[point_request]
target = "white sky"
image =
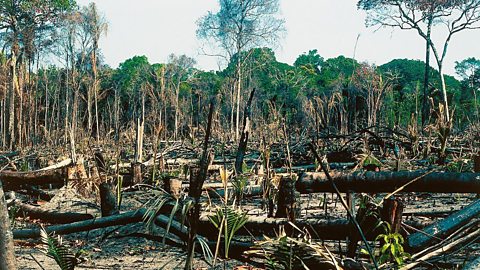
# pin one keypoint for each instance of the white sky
(157, 28)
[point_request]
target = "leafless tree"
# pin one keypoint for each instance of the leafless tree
(421, 15)
(238, 26)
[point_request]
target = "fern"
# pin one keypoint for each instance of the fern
(54, 248)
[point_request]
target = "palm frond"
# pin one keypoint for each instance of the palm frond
(284, 252)
(233, 220)
(54, 248)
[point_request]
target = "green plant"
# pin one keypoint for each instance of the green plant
(54, 248)
(12, 213)
(119, 190)
(391, 246)
(154, 208)
(239, 183)
(230, 220)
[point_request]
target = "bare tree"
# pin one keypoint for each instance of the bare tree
(180, 69)
(94, 26)
(238, 26)
(421, 15)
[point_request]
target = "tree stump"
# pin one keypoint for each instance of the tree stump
(287, 200)
(137, 176)
(108, 200)
(100, 162)
(172, 186)
(476, 162)
(392, 213)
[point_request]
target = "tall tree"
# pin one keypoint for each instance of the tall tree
(421, 15)
(180, 70)
(94, 25)
(238, 26)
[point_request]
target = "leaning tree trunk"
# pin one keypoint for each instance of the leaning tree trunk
(7, 251)
(444, 94)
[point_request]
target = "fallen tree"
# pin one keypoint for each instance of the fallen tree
(49, 216)
(55, 174)
(438, 230)
(441, 182)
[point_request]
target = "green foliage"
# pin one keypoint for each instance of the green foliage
(233, 220)
(154, 207)
(391, 247)
(240, 182)
(54, 248)
(311, 62)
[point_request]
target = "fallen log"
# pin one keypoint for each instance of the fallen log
(55, 174)
(49, 216)
(475, 264)
(441, 182)
(86, 225)
(327, 229)
(444, 227)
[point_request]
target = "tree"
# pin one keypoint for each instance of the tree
(94, 26)
(238, 26)
(311, 61)
(179, 70)
(469, 71)
(421, 16)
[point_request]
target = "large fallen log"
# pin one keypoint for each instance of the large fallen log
(49, 216)
(475, 264)
(444, 227)
(87, 225)
(441, 182)
(55, 174)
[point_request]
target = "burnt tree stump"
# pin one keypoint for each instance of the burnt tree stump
(108, 200)
(288, 205)
(392, 212)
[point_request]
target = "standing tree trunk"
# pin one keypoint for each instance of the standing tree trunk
(425, 108)
(239, 90)
(444, 93)
(7, 251)
(13, 89)
(197, 178)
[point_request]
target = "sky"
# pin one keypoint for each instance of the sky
(157, 28)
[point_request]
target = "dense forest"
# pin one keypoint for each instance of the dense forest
(252, 122)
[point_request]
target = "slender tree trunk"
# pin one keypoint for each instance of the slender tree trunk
(444, 92)
(94, 68)
(425, 108)
(13, 87)
(239, 90)
(175, 134)
(89, 111)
